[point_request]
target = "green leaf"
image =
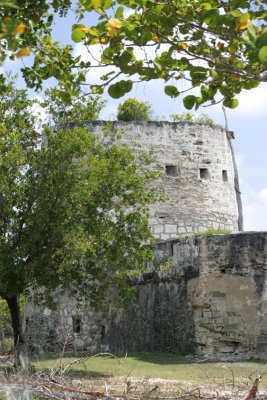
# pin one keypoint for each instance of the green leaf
(198, 73)
(157, 65)
(95, 89)
(251, 84)
(171, 91)
(8, 3)
(77, 35)
(244, 17)
(251, 33)
(189, 102)
(262, 40)
(263, 55)
(211, 16)
(119, 12)
(119, 89)
(230, 103)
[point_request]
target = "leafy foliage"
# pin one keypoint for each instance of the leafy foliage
(197, 118)
(74, 208)
(134, 110)
(82, 110)
(25, 29)
(208, 232)
(220, 48)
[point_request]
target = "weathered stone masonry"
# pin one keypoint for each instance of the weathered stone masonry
(211, 301)
(198, 177)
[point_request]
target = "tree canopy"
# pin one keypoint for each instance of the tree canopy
(134, 110)
(74, 209)
(218, 47)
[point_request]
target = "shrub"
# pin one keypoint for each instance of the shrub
(134, 110)
(210, 231)
(197, 118)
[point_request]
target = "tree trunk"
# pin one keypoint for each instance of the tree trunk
(21, 356)
(2, 338)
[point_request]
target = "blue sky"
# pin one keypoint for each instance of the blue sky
(248, 121)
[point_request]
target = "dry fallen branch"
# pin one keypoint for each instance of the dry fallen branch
(254, 389)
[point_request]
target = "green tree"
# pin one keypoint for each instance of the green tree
(134, 110)
(73, 211)
(83, 109)
(218, 47)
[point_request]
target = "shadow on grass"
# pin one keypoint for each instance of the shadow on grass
(176, 358)
(8, 370)
(164, 358)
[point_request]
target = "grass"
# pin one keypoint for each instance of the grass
(158, 365)
(163, 374)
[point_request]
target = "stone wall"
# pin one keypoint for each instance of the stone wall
(198, 177)
(211, 299)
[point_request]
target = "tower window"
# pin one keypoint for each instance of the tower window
(172, 170)
(77, 324)
(224, 175)
(204, 173)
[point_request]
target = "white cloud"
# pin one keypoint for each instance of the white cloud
(255, 212)
(252, 103)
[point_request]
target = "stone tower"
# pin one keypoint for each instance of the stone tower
(198, 180)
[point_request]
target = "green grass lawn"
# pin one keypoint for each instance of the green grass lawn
(148, 375)
(159, 365)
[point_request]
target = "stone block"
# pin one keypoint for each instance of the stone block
(170, 228)
(217, 293)
(262, 339)
(216, 313)
(153, 221)
(233, 320)
(79, 343)
(207, 313)
(226, 349)
(261, 348)
(157, 229)
(47, 312)
(164, 236)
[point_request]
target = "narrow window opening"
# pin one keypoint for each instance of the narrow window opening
(103, 332)
(204, 173)
(172, 170)
(224, 175)
(27, 321)
(77, 324)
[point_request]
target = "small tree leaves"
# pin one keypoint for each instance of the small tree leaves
(171, 91)
(263, 55)
(119, 89)
(78, 35)
(230, 103)
(262, 40)
(209, 43)
(134, 110)
(189, 102)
